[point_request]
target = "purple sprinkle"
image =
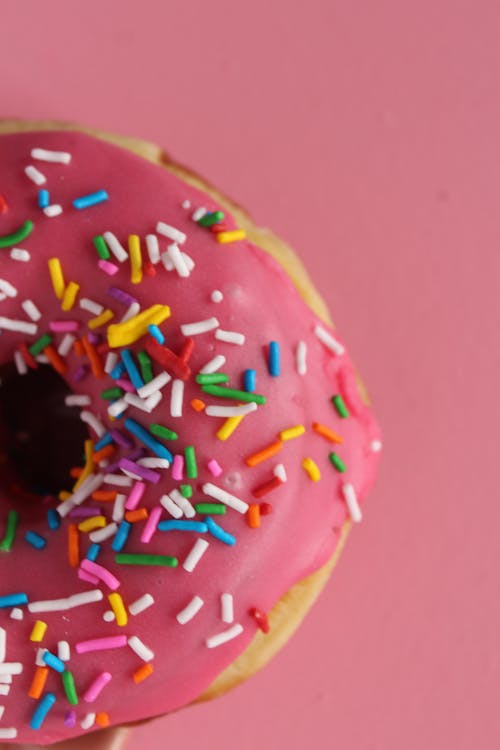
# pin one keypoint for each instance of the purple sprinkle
(121, 439)
(80, 373)
(121, 296)
(142, 471)
(70, 719)
(94, 338)
(134, 456)
(84, 512)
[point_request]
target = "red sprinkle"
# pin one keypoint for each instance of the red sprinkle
(167, 359)
(30, 361)
(3, 205)
(260, 618)
(149, 269)
(266, 487)
(186, 350)
(265, 509)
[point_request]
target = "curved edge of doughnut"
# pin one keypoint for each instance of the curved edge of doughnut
(287, 614)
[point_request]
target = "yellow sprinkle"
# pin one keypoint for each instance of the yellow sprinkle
(118, 608)
(292, 432)
(95, 522)
(236, 234)
(69, 296)
(134, 249)
(229, 426)
(64, 495)
(89, 464)
(122, 334)
(57, 277)
(100, 320)
(38, 631)
(312, 469)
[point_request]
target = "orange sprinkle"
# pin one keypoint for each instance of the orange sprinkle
(75, 472)
(136, 515)
(102, 719)
(198, 404)
(327, 433)
(64, 495)
(105, 452)
(142, 673)
(95, 361)
(55, 359)
(104, 496)
(78, 348)
(73, 545)
(253, 515)
(268, 452)
(38, 682)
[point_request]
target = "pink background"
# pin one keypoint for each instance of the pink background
(368, 135)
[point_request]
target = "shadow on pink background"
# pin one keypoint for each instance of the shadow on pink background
(367, 134)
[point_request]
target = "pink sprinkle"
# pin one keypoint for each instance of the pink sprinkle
(101, 644)
(70, 719)
(178, 468)
(126, 385)
(214, 468)
(135, 496)
(64, 325)
(151, 524)
(108, 267)
(96, 687)
(88, 577)
(102, 573)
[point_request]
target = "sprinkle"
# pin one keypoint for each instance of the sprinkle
(88, 721)
(197, 526)
(69, 687)
(31, 310)
(38, 631)
(40, 345)
(145, 366)
(163, 432)
(38, 682)
(17, 253)
(66, 345)
(100, 535)
(129, 331)
(59, 157)
(174, 258)
(103, 574)
(229, 426)
(233, 393)
(216, 296)
(171, 507)
(340, 406)
(375, 445)
(253, 515)
(210, 218)
(21, 366)
(54, 210)
(198, 213)
(155, 384)
(69, 296)
(92, 199)
(101, 644)
(227, 610)
(63, 650)
(7, 289)
(7, 324)
(131, 313)
(139, 472)
(230, 337)
(119, 508)
(102, 719)
(101, 247)
(311, 469)
(249, 380)
(73, 545)
(327, 433)
(36, 540)
(8, 733)
(134, 249)
(274, 359)
(151, 525)
(9, 536)
(264, 489)
(191, 467)
(337, 462)
(176, 398)
(225, 636)
(192, 609)
(57, 277)
(210, 509)
(115, 246)
(110, 268)
(93, 357)
(93, 422)
(171, 232)
(142, 673)
(136, 493)
(58, 605)
(168, 561)
(197, 404)
(178, 468)
(8, 240)
(328, 340)
(224, 497)
(260, 618)
(42, 710)
(3, 205)
(95, 522)
(351, 500)
(197, 551)
(291, 432)
(141, 604)
(262, 455)
(233, 236)
(12, 668)
(101, 319)
(219, 533)
(214, 468)
(35, 175)
(121, 536)
(16, 614)
(138, 647)
(43, 198)
(96, 687)
(202, 326)
(186, 490)
(182, 502)
(52, 661)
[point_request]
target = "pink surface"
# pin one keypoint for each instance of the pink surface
(369, 139)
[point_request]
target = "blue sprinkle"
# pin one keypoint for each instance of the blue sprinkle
(43, 198)
(103, 442)
(143, 435)
(249, 380)
(274, 359)
(156, 334)
(52, 661)
(93, 552)
(85, 201)
(36, 541)
(53, 519)
(198, 526)
(118, 371)
(131, 368)
(218, 532)
(42, 710)
(13, 600)
(121, 536)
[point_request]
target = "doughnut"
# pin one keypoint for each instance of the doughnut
(185, 442)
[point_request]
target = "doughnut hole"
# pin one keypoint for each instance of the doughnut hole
(41, 439)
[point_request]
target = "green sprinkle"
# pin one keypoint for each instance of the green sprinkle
(186, 490)
(210, 218)
(10, 531)
(339, 404)
(190, 456)
(217, 390)
(213, 509)
(163, 432)
(212, 378)
(101, 247)
(39, 346)
(111, 393)
(128, 558)
(146, 367)
(13, 239)
(337, 462)
(69, 687)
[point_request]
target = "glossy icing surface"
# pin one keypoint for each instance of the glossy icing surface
(259, 301)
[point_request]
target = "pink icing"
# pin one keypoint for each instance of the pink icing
(300, 534)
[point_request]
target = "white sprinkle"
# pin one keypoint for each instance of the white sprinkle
(115, 246)
(52, 211)
(117, 479)
(75, 600)
(35, 175)
(60, 157)
(31, 310)
(12, 667)
(4, 689)
(119, 507)
(2, 709)
(225, 636)
(93, 422)
(352, 502)
(108, 616)
(198, 213)
(190, 264)
(202, 326)
(154, 385)
(230, 411)
(21, 366)
(100, 535)
(327, 339)
(88, 486)
(183, 503)
(92, 307)
(376, 446)
(16, 613)
(117, 408)
(77, 400)
(227, 609)
(147, 405)
(66, 344)
(179, 264)
(87, 721)
(301, 358)
(20, 326)
(171, 507)
(111, 361)
(153, 248)
(3, 642)
(230, 337)
(132, 311)
(17, 253)
(7, 288)
(280, 472)
(197, 551)
(8, 733)
(186, 204)
(216, 296)
(142, 651)
(176, 398)
(6, 679)
(171, 232)
(153, 462)
(190, 611)
(42, 359)
(144, 601)
(167, 263)
(63, 651)
(225, 497)
(215, 364)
